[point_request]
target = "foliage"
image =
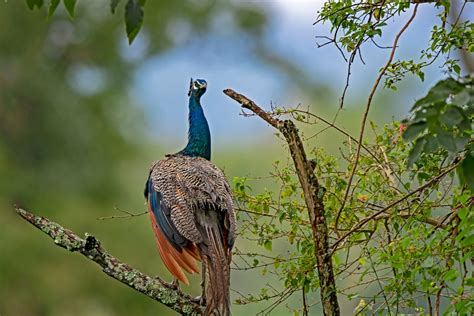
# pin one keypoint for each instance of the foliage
(451, 127)
(355, 23)
(400, 223)
(416, 246)
(443, 119)
(133, 12)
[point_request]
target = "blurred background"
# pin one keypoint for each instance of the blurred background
(83, 115)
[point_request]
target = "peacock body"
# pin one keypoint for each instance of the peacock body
(191, 210)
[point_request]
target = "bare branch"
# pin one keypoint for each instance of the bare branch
(250, 105)
(313, 195)
(127, 215)
(428, 220)
(90, 247)
(305, 304)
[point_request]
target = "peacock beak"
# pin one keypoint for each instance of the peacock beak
(198, 84)
(201, 84)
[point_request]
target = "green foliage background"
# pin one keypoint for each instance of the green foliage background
(73, 157)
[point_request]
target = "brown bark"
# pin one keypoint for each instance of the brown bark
(313, 199)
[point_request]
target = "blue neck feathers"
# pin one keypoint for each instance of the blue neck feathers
(199, 137)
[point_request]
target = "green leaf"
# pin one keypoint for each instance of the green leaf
(465, 97)
(428, 263)
(451, 275)
(447, 141)
(427, 113)
(133, 18)
(457, 69)
(421, 75)
(465, 125)
(439, 92)
(466, 171)
(431, 144)
(34, 3)
(416, 151)
(470, 281)
(452, 116)
(113, 5)
(467, 241)
(413, 130)
(53, 4)
(460, 143)
(70, 5)
(268, 245)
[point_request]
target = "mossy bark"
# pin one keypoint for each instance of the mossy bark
(90, 247)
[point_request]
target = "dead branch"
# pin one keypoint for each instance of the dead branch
(313, 200)
(90, 247)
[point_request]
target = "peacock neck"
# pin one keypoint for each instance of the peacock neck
(199, 137)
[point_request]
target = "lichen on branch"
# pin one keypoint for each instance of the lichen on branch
(90, 247)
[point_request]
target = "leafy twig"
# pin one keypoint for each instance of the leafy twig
(393, 204)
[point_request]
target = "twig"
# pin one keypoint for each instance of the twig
(253, 212)
(128, 214)
(348, 75)
(438, 300)
(340, 130)
(427, 220)
(382, 290)
(366, 114)
(90, 247)
(430, 306)
(305, 304)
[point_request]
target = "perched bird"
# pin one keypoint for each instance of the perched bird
(191, 210)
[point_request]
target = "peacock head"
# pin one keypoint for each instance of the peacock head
(197, 87)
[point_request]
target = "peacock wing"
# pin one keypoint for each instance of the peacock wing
(204, 186)
(167, 178)
(162, 216)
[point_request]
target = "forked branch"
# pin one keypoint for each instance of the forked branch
(154, 288)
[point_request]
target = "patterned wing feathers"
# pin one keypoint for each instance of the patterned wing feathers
(188, 186)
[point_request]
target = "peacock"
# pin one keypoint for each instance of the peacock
(192, 212)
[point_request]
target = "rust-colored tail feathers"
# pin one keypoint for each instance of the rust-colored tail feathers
(174, 260)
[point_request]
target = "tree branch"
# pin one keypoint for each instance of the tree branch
(90, 247)
(313, 194)
(428, 220)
